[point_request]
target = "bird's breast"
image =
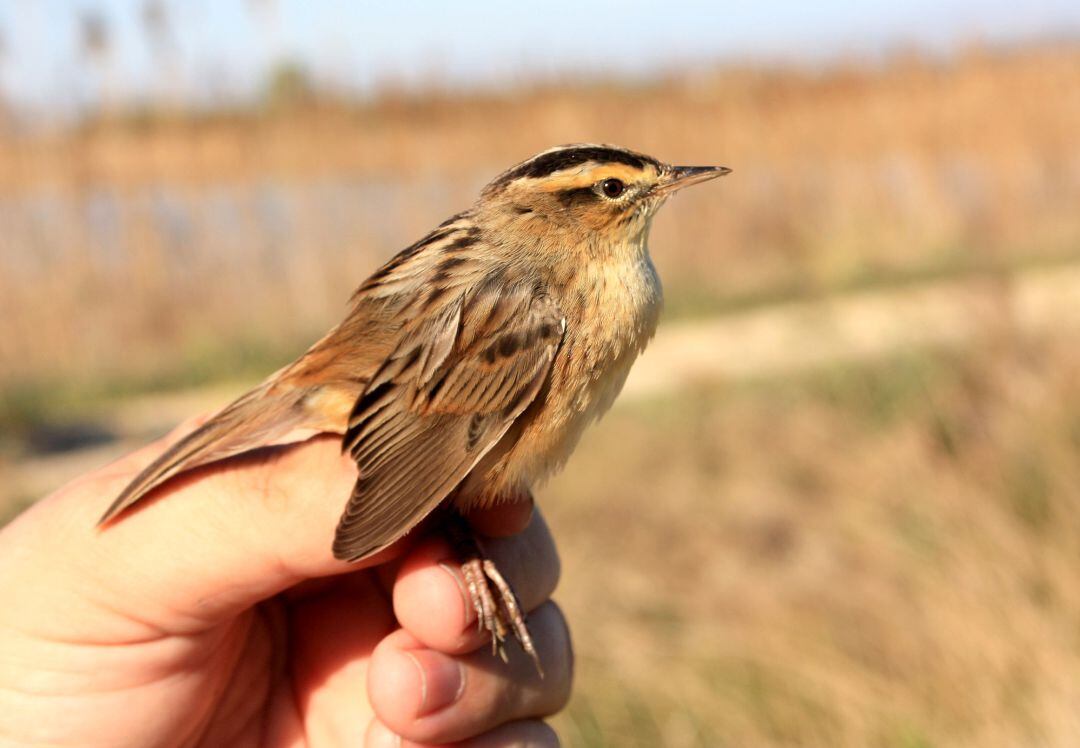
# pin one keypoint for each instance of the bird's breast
(611, 314)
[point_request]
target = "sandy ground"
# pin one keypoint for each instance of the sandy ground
(788, 338)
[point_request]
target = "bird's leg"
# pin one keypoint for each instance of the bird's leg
(497, 607)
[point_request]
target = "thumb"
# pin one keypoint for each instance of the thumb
(205, 546)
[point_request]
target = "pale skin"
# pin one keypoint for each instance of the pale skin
(220, 617)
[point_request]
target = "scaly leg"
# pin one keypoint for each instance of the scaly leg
(497, 607)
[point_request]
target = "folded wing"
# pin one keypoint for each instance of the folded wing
(441, 400)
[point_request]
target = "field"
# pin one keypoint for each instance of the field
(878, 555)
(877, 545)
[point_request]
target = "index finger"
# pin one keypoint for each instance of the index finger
(429, 594)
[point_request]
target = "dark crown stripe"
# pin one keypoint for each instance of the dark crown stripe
(547, 164)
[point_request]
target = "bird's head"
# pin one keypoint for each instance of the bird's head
(602, 190)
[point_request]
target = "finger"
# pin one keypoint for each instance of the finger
(506, 519)
(332, 636)
(430, 598)
(427, 696)
(209, 544)
(526, 733)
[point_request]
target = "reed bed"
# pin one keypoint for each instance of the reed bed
(133, 240)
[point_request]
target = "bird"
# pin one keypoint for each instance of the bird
(468, 365)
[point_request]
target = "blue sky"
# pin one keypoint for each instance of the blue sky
(219, 48)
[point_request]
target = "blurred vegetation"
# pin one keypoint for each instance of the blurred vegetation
(133, 235)
(289, 86)
(871, 554)
(34, 406)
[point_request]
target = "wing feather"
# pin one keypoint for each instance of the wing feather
(439, 403)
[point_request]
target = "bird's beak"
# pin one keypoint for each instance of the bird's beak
(683, 176)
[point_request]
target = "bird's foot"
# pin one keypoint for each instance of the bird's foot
(498, 610)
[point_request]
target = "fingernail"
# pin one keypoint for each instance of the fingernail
(442, 679)
(466, 605)
(379, 736)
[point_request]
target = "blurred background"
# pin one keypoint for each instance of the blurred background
(838, 500)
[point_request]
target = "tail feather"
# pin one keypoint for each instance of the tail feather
(258, 419)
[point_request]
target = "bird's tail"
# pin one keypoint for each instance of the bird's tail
(258, 419)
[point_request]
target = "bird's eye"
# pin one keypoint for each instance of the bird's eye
(612, 188)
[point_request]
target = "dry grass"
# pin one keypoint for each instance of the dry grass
(882, 556)
(143, 238)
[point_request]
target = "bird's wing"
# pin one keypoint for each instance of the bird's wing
(262, 417)
(312, 395)
(440, 401)
(315, 393)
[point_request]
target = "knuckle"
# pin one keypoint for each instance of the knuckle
(544, 735)
(527, 732)
(563, 660)
(532, 696)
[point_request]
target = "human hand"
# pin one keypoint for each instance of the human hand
(219, 617)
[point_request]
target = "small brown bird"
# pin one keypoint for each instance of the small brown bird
(469, 364)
